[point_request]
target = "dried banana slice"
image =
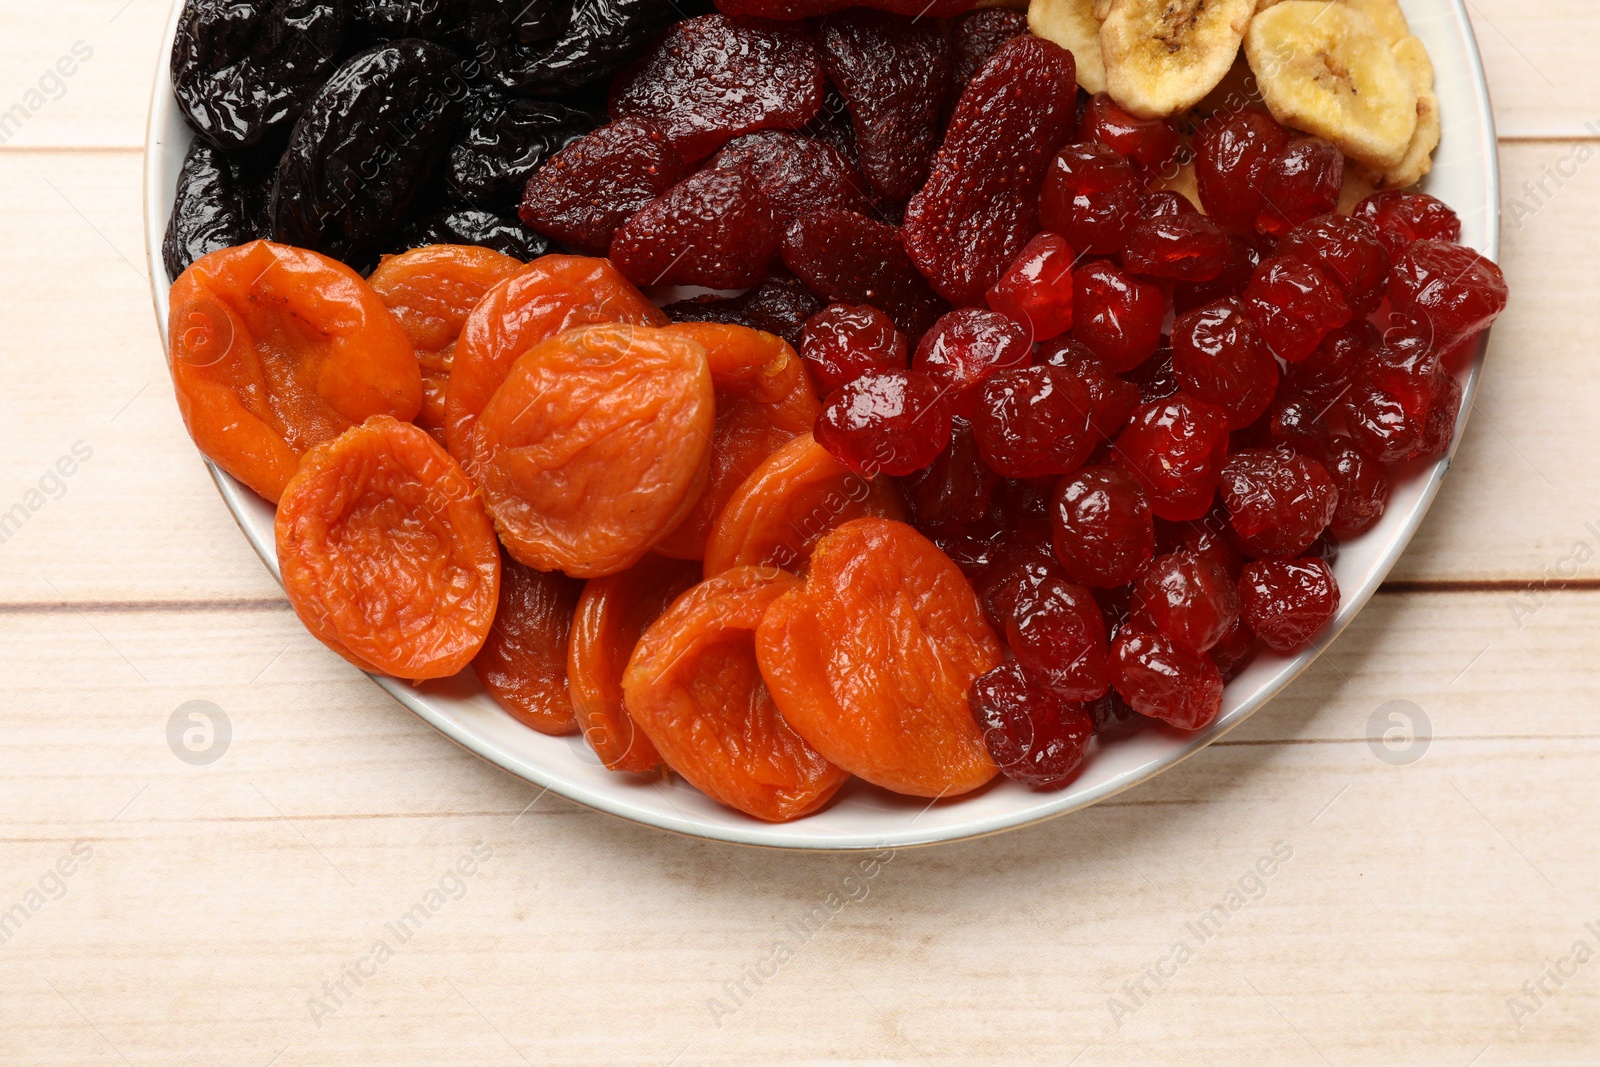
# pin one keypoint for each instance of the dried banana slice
(1326, 69)
(1412, 56)
(1418, 160)
(1073, 25)
(1164, 56)
(1386, 15)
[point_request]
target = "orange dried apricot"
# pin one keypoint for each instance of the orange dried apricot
(596, 447)
(870, 660)
(523, 664)
(694, 686)
(764, 399)
(386, 552)
(612, 613)
(548, 296)
(431, 291)
(277, 349)
(798, 494)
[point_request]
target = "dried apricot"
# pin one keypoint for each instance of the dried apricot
(386, 553)
(764, 400)
(694, 686)
(277, 349)
(870, 661)
(431, 291)
(612, 614)
(523, 664)
(596, 447)
(548, 296)
(777, 514)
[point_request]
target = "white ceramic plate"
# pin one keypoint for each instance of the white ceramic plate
(1466, 176)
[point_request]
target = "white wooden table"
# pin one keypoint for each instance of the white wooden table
(1424, 912)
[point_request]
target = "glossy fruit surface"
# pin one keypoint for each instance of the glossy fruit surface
(1175, 448)
(1036, 737)
(885, 422)
(523, 661)
(1287, 602)
(1101, 528)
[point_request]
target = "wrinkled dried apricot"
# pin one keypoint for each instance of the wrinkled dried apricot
(764, 400)
(548, 296)
(523, 664)
(277, 349)
(386, 553)
(694, 686)
(612, 614)
(778, 514)
(870, 661)
(430, 291)
(596, 447)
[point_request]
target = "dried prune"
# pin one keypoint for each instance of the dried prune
(277, 349)
(523, 663)
(979, 205)
(244, 68)
(220, 202)
(390, 20)
(779, 305)
(977, 35)
(850, 259)
(386, 553)
(504, 141)
(551, 47)
(454, 223)
(796, 174)
(798, 494)
(596, 447)
(870, 661)
(893, 73)
(712, 78)
(714, 228)
(612, 614)
(694, 686)
(586, 191)
(367, 149)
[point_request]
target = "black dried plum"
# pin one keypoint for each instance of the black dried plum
(779, 305)
(465, 224)
(506, 139)
(368, 149)
(392, 20)
(551, 47)
(242, 68)
(221, 202)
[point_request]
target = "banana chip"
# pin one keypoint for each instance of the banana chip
(1386, 15)
(1163, 56)
(1073, 25)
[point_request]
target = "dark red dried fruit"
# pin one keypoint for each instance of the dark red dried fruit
(1391, 393)
(1363, 485)
(1298, 422)
(1165, 202)
(1348, 252)
(1234, 152)
(1237, 648)
(977, 209)
(1148, 142)
(957, 487)
(1208, 536)
(844, 341)
(965, 348)
(1160, 678)
(1287, 602)
(1324, 376)
(1100, 527)
(1190, 598)
(1036, 290)
(1216, 357)
(1037, 737)
(1116, 315)
(1243, 258)
(1155, 377)
(1278, 500)
(779, 305)
(1302, 183)
(1175, 447)
(715, 77)
(1294, 306)
(977, 35)
(1459, 292)
(893, 73)
(1090, 196)
(1032, 422)
(1111, 400)
(713, 229)
(1188, 248)
(1443, 414)
(586, 191)
(1057, 633)
(1401, 218)
(796, 174)
(805, 9)
(848, 258)
(885, 422)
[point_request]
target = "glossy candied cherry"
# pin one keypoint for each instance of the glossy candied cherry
(1148, 142)
(1391, 394)
(1113, 717)
(1243, 258)
(1111, 400)
(1166, 680)
(1302, 183)
(1209, 536)
(1036, 736)
(1460, 292)
(844, 341)
(1299, 423)
(1101, 527)
(1233, 154)
(1190, 598)
(1155, 377)
(1363, 485)
(1165, 202)
(965, 348)
(957, 487)
(1036, 290)
(1287, 602)
(1324, 376)
(1237, 648)
(1278, 501)
(1443, 413)
(1032, 422)
(1401, 218)
(1090, 196)
(1348, 252)
(1187, 248)
(1294, 306)
(1057, 633)
(887, 421)
(1175, 447)
(1117, 315)
(1217, 357)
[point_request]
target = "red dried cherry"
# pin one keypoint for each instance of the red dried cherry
(1324, 376)
(1111, 400)
(1190, 598)
(885, 422)
(1236, 649)
(1278, 500)
(1155, 377)
(1234, 153)
(1175, 447)
(1165, 680)
(957, 487)
(1033, 421)
(1287, 602)
(1401, 218)
(1216, 357)
(1036, 290)
(1057, 633)
(1348, 252)
(1037, 737)
(1302, 183)
(1148, 142)
(1363, 485)
(1443, 413)
(966, 347)
(1116, 315)
(1165, 202)
(1294, 306)
(1100, 527)
(1458, 291)
(844, 341)
(1090, 196)
(1189, 248)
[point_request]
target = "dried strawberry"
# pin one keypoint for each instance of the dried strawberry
(781, 304)
(715, 77)
(797, 174)
(977, 35)
(979, 205)
(850, 259)
(713, 229)
(586, 191)
(893, 73)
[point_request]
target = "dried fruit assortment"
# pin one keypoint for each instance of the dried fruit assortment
(1027, 376)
